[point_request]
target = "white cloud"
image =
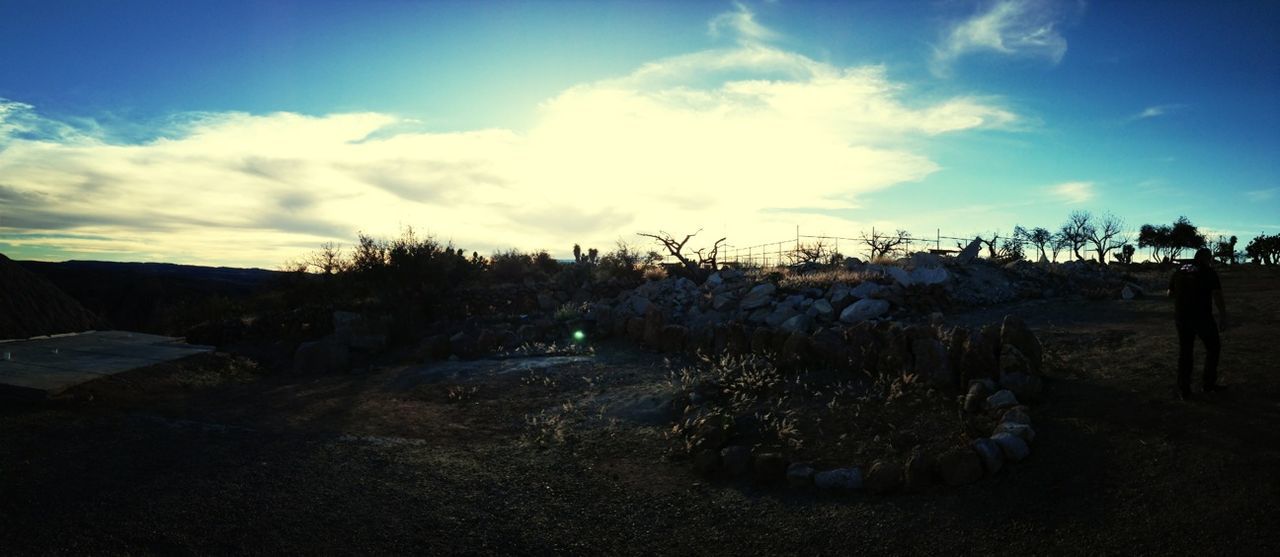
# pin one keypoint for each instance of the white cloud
(742, 23)
(1261, 195)
(719, 139)
(1156, 110)
(1021, 28)
(1072, 192)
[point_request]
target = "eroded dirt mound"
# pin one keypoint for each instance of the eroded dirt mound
(32, 306)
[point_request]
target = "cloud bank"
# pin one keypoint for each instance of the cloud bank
(717, 139)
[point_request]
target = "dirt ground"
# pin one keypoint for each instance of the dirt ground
(210, 455)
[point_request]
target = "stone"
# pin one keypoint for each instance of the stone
(918, 473)
(840, 478)
(1023, 431)
(1012, 360)
(823, 310)
(714, 280)
(722, 301)
(761, 341)
(1001, 399)
(930, 275)
(706, 462)
(1127, 293)
(900, 276)
(867, 289)
(324, 356)
(884, 476)
(759, 296)
(1013, 446)
(635, 328)
(969, 252)
(980, 359)
(841, 296)
(1024, 387)
(769, 467)
(639, 305)
(1016, 415)
(863, 310)
(780, 315)
(799, 474)
(654, 321)
(735, 460)
(990, 453)
(960, 466)
(827, 347)
(795, 350)
(737, 342)
(1015, 332)
(797, 324)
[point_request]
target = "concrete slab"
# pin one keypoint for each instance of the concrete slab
(50, 365)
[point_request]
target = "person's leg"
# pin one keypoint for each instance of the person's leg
(1186, 348)
(1208, 331)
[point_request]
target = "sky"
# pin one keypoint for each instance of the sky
(249, 133)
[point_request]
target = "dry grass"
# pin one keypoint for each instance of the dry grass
(822, 279)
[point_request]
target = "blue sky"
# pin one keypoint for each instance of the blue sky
(248, 133)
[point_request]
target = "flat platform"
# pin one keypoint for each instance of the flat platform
(50, 365)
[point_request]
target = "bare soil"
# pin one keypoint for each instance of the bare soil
(211, 455)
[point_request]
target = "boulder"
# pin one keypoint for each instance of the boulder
(1001, 399)
(736, 340)
(780, 315)
(925, 260)
(827, 347)
(797, 324)
(930, 275)
(990, 453)
(324, 356)
(841, 296)
(795, 350)
(735, 460)
(867, 289)
(654, 321)
(758, 297)
(823, 310)
(1012, 360)
(1023, 431)
(722, 301)
(980, 359)
(1015, 332)
(969, 252)
(840, 478)
(863, 310)
(635, 328)
(884, 476)
(769, 467)
(762, 341)
(959, 466)
(1024, 386)
(900, 276)
(714, 280)
(1016, 415)
(673, 338)
(1013, 446)
(799, 475)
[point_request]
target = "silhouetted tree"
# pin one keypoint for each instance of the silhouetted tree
(675, 248)
(1057, 243)
(1105, 235)
(1225, 250)
(1126, 253)
(881, 245)
(1264, 249)
(1077, 230)
(1038, 237)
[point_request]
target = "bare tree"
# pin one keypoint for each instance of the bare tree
(1077, 230)
(1057, 243)
(676, 249)
(814, 252)
(991, 244)
(881, 245)
(1104, 235)
(1038, 237)
(328, 260)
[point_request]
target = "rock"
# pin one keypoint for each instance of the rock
(1013, 446)
(841, 296)
(797, 324)
(635, 328)
(900, 276)
(1016, 415)
(1023, 431)
(969, 252)
(931, 362)
(1127, 293)
(930, 275)
(737, 342)
(1001, 399)
(769, 467)
(884, 476)
(863, 310)
(654, 321)
(722, 301)
(673, 338)
(840, 478)
(638, 305)
(867, 289)
(780, 315)
(761, 340)
(759, 296)
(799, 475)
(706, 462)
(990, 453)
(960, 466)
(823, 310)
(980, 359)
(735, 460)
(324, 356)
(714, 280)
(918, 474)
(1016, 333)
(1012, 360)
(795, 350)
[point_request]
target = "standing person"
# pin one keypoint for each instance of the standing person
(1192, 286)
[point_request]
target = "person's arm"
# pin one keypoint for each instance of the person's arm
(1222, 308)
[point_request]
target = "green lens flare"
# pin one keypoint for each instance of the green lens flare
(579, 335)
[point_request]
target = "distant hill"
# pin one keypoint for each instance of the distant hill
(146, 296)
(31, 305)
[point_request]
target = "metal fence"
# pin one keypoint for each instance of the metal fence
(805, 247)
